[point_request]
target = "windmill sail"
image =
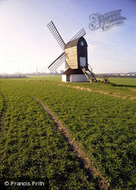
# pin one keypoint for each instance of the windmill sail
(79, 34)
(61, 59)
(56, 34)
(53, 66)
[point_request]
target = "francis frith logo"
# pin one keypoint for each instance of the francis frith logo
(106, 21)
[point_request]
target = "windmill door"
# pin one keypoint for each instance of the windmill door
(82, 61)
(68, 78)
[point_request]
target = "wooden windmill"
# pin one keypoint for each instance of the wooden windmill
(74, 55)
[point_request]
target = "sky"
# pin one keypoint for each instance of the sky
(27, 45)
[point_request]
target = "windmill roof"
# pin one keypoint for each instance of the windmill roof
(72, 71)
(72, 43)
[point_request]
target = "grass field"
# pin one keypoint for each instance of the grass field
(101, 117)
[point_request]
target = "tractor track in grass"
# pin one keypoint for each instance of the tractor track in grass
(87, 164)
(116, 95)
(3, 110)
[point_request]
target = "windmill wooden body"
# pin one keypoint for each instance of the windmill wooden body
(75, 57)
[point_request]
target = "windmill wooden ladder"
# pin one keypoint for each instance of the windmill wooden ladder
(88, 72)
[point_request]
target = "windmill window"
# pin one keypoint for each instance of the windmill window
(82, 43)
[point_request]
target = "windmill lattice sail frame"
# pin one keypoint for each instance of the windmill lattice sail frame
(61, 59)
(56, 34)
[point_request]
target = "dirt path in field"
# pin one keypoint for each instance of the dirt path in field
(101, 92)
(3, 110)
(76, 147)
(132, 89)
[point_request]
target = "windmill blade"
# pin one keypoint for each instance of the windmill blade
(79, 34)
(56, 34)
(53, 66)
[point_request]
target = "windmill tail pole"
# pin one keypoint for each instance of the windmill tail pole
(90, 68)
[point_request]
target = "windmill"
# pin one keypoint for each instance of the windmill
(74, 55)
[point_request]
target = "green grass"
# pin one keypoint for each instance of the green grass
(126, 90)
(124, 81)
(104, 125)
(47, 78)
(32, 147)
(1, 104)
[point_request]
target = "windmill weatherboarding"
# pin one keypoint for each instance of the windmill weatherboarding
(74, 56)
